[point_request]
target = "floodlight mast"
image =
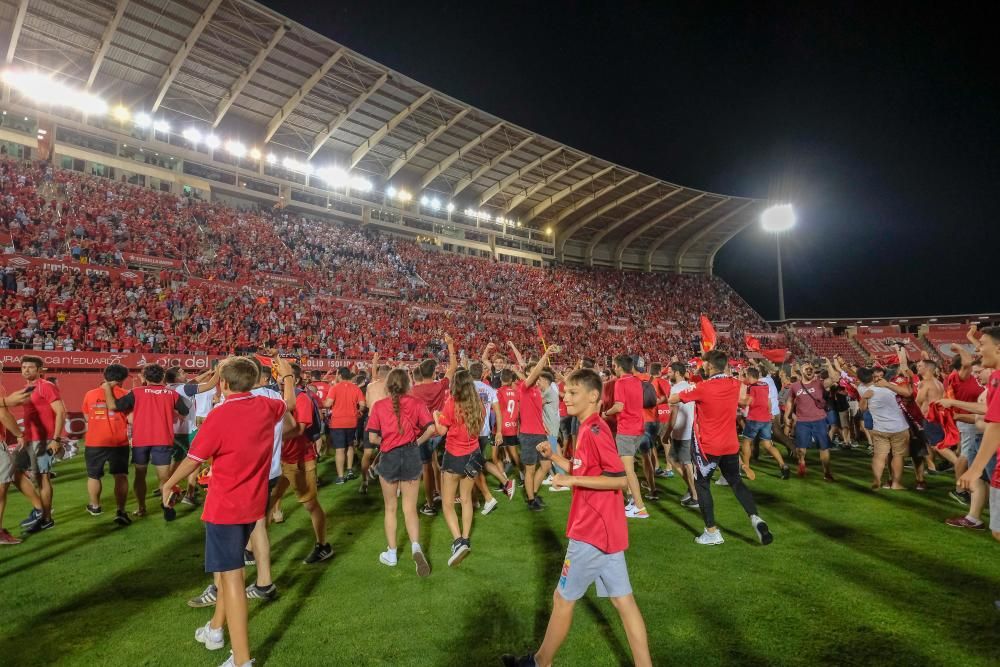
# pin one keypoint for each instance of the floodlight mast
(779, 219)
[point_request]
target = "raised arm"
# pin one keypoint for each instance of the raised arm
(540, 366)
(452, 357)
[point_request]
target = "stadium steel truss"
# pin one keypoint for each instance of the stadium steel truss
(240, 67)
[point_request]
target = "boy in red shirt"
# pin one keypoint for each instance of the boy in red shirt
(106, 441)
(627, 409)
(597, 532)
(345, 402)
(509, 413)
(715, 444)
(758, 422)
(238, 437)
(532, 425)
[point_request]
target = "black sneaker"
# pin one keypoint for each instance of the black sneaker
(319, 553)
(267, 593)
(351, 474)
(785, 472)
(459, 550)
(509, 660)
(363, 489)
(535, 504)
(248, 558)
(206, 599)
(690, 503)
(43, 524)
(763, 534)
(427, 510)
(960, 497)
(340, 480)
(122, 518)
(94, 510)
(34, 516)
(169, 513)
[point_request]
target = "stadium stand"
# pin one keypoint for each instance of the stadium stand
(822, 342)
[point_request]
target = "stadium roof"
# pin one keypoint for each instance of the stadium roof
(238, 65)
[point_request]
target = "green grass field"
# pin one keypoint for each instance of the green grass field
(853, 578)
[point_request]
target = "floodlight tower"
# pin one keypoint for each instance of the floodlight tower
(777, 219)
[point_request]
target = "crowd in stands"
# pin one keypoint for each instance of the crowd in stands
(62, 214)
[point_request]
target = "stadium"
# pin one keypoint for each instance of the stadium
(188, 182)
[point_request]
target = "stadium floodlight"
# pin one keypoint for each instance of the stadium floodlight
(255, 153)
(213, 141)
(192, 135)
(361, 184)
(236, 149)
(290, 164)
(404, 196)
(306, 167)
(778, 218)
(424, 201)
(44, 89)
(272, 158)
(450, 207)
(390, 192)
(335, 177)
(142, 120)
(161, 126)
(518, 224)
(548, 230)
(121, 114)
(435, 204)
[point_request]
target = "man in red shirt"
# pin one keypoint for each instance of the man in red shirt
(43, 418)
(238, 437)
(345, 402)
(662, 386)
(531, 430)
(153, 406)
(716, 445)
(433, 394)
(106, 441)
(628, 410)
(597, 532)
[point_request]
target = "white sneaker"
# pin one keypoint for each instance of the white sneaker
(555, 488)
(212, 638)
(721, 482)
(710, 539)
(547, 481)
(629, 507)
(686, 497)
(490, 505)
(231, 662)
(637, 513)
(388, 557)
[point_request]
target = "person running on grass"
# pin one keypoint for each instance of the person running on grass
(238, 437)
(716, 445)
(460, 421)
(805, 414)
(596, 528)
(758, 400)
(400, 424)
(628, 409)
(106, 442)
(8, 425)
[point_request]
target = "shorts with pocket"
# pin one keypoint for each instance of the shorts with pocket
(302, 478)
(115, 457)
(401, 464)
(224, 545)
(585, 564)
(463, 465)
(807, 432)
(528, 443)
(34, 457)
(158, 455)
(341, 438)
(680, 450)
(628, 445)
(898, 443)
(755, 428)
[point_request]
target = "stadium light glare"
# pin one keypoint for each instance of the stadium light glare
(272, 158)
(45, 90)
(435, 204)
(405, 196)
(236, 149)
(778, 218)
(121, 114)
(335, 177)
(450, 207)
(548, 230)
(255, 153)
(361, 184)
(390, 192)
(142, 120)
(290, 164)
(213, 141)
(161, 126)
(518, 224)
(424, 201)
(192, 135)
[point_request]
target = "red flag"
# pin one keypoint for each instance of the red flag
(945, 418)
(708, 337)
(775, 356)
(752, 343)
(541, 336)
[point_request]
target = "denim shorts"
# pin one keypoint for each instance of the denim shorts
(34, 457)
(807, 432)
(755, 428)
(972, 451)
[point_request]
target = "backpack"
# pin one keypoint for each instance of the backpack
(317, 429)
(649, 397)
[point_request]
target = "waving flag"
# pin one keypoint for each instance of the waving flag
(541, 336)
(775, 356)
(752, 343)
(708, 337)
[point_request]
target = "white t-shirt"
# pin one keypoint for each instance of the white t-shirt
(203, 403)
(887, 416)
(684, 421)
(185, 424)
(772, 394)
(278, 428)
(488, 395)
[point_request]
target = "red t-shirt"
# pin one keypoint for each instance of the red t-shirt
(760, 406)
(967, 390)
(39, 417)
(716, 401)
(238, 436)
(105, 428)
(662, 387)
(608, 400)
(562, 404)
(152, 408)
(628, 392)
(507, 397)
(433, 394)
(596, 517)
(322, 390)
(299, 449)
(414, 417)
(993, 415)
(909, 405)
(809, 403)
(458, 441)
(529, 400)
(344, 412)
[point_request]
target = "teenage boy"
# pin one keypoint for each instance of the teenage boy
(433, 393)
(153, 406)
(758, 423)
(345, 402)
(716, 445)
(238, 437)
(106, 441)
(681, 428)
(597, 531)
(628, 410)
(531, 430)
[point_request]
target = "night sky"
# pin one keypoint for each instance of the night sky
(879, 122)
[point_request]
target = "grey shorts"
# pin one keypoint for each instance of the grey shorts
(585, 564)
(401, 464)
(680, 450)
(528, 442)
(34, 457)
(969, 443)
(628, 445)
(995, 509)
(6, 465)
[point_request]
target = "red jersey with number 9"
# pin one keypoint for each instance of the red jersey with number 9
(507, 397)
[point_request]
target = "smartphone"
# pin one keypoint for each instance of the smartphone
(29, 389)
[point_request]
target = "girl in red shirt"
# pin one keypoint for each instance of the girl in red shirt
(460, 420)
